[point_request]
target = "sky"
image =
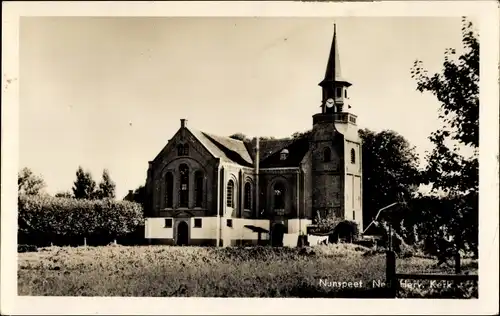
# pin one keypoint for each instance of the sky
(110, 92)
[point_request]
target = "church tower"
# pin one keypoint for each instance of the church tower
(336, 149)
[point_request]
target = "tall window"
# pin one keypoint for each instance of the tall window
(353, 156)
(248, 196)
(170, 190)
(184, 185)
(186, 150)
(327, 154)
(279, 196)
(198, 180)
(230, 194)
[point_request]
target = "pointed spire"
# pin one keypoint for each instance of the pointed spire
(333, 72)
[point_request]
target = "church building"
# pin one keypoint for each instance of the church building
(205, 189)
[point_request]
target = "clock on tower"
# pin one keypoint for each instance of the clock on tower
(329, 103)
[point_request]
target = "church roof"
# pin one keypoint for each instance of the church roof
(233, 148)
(297, 149)
(268, 147)
(270, 150)
(225, 148)
(243, 153)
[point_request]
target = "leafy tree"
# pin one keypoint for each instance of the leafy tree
(29, 183)
(240, 136)
(106, 187)
(64, 194)
(138, 196)
(390, 171)
(450, 168)
(84, 186)
(301, 134)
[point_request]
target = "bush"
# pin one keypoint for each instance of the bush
(345, 230)
(27, 248)
(46, 218)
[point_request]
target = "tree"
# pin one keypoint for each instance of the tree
(302, 134)
(390, 171)
(29, 183)
(64, 194)
(84, 186)
(240, 136)
(450, 168)
(138, 196)
(106, 187)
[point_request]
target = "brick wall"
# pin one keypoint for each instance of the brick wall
(327, 177)
(198, 159)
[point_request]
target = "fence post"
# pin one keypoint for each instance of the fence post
(391, 280)
(85, 241)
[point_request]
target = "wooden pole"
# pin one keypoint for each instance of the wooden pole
(390, 237)
(85, 241)
(390, 276)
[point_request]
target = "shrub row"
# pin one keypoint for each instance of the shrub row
(49, 218)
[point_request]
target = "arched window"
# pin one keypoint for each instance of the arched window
(230, 194)
(327, 154)
(198, 186)
(353, 156)
(284, 154)
(279, 196)
(248, 196)
(170, 190)
(184, 185)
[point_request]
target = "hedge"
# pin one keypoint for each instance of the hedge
(49, 219)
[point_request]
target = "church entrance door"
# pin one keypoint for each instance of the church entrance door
(277, 235)
(182, 234)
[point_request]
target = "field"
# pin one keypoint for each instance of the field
(219, 272)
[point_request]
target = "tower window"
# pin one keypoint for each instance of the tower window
(353, 215)
(229, 223)
(353, 156)
(184, 187)
(229, 193)
(327, 154)
(345, 93)
(339, 92)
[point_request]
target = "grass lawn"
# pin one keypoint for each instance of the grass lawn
(217, 272)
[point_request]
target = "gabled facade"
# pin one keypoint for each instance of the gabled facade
(214, 190)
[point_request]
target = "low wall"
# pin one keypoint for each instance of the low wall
(154, 228)
(232, 230)
(296, 226)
